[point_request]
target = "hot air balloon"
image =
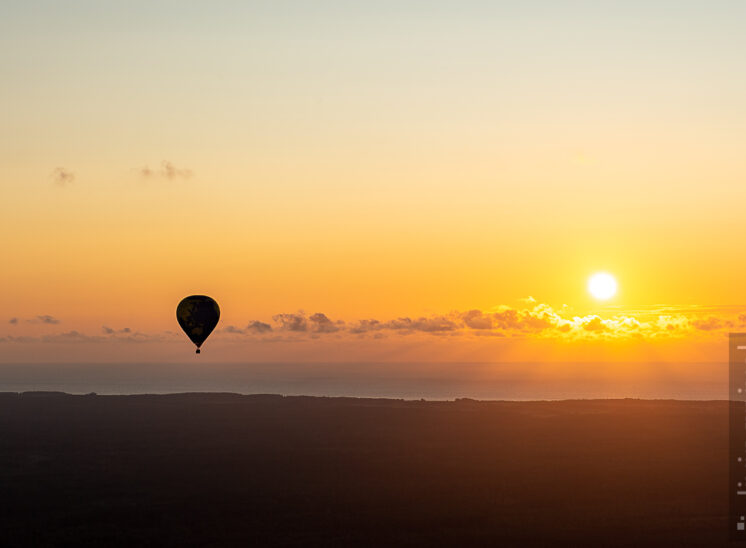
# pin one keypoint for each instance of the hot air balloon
(198, 315)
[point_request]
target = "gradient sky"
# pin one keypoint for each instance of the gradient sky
(402, 162)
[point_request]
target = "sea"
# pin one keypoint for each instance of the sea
(412, 381)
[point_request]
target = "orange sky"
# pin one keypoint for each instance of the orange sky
(398, 164)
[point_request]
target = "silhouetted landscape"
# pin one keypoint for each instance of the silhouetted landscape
(263, 470)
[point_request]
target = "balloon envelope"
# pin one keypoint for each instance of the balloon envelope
(198, 315)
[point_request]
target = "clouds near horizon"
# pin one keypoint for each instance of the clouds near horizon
(45, 319)
(533, 320)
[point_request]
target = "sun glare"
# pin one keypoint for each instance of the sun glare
(602, 286)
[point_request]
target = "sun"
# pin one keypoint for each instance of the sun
(602, 286)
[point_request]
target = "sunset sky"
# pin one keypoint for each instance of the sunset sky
(372, 181)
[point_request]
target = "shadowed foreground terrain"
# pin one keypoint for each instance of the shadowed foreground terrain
(223, 469)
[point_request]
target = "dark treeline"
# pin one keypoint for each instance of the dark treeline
(229, 470)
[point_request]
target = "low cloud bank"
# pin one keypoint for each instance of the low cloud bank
(531, 320)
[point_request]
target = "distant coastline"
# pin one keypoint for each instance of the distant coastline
(409, 381)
